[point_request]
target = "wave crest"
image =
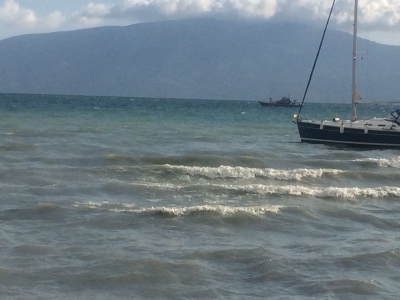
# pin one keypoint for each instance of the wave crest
(248, 173)
(393, 162)
(183, 210)
(295, 190)
(334, 192)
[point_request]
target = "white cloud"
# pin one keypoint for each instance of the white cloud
(152, 10)
(12, 15)
(378, 14)
(383, 13)
(255, 8)
(53, 21)
(93, 15)
(15, 20)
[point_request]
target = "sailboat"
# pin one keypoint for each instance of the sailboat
(373, 133)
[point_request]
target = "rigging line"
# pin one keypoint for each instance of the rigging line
(316, 58)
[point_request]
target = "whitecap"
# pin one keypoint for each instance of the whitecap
(248, 173)
(393, 162)
(185, 210)
(294, 190)
(335, 192)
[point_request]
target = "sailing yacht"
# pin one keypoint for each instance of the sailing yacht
(374, 133)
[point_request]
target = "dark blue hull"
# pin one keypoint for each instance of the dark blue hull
(312, 133)
(275, 104)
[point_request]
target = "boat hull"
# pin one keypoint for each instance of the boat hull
(274, 104)
(345, 136)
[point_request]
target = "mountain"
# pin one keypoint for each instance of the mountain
(196, 58)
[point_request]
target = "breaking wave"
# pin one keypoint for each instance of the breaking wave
(393, 162)
(248, 173)
(295, 190)
(182, 210)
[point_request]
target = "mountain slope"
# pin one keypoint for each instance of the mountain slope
(197, 58)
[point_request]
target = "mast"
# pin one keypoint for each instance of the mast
(354, 94)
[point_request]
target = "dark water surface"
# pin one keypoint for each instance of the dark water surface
(118, 198)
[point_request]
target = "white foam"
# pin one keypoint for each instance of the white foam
(393, 162)
(182, 210)
(335, 192)
(220, 209)
(94, 204)
(295, 190)
(248, 173)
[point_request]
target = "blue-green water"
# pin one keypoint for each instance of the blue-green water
(118, 198)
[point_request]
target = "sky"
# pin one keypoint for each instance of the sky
(379, 20)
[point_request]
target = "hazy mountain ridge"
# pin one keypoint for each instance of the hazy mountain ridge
(198, 58)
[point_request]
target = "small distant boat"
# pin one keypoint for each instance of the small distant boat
(284, 102)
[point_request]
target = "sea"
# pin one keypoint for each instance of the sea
(139, 198)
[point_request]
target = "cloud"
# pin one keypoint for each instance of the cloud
(94, 14)
(136, 11)
(381, 14)
(190, 8)
(378, 14)
(12, 15)
(14, 19)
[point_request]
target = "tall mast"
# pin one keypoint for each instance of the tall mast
(354, 93)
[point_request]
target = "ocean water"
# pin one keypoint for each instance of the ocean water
(119, 198)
